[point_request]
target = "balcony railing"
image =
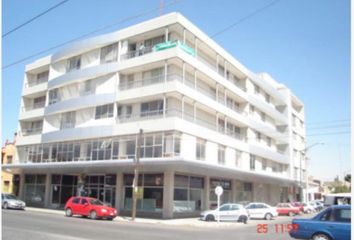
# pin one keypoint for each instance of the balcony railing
(31, 131)
(136, 53)
(149, 81)
(33, 106)
(173, 112)
(36, 82)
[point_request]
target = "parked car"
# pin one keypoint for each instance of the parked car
(333, 223)
(90, 207)
(287, 209)
(228, 211)
(317, 205)
(299, 205)
(11, 201)
(261, 210)
(308, 208)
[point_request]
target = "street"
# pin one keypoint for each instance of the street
(36, 225)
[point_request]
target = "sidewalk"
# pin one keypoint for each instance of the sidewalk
(194, 222)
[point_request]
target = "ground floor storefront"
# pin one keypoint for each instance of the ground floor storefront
(162, 193)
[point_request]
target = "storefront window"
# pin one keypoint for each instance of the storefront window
(34, 190)
(188, 192)
(225, 197)
(150, 192)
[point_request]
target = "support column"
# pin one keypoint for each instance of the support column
(184, 36)
(48, 182)
(217, 63)
(166, 68)
(183, 99)
(119, 204)
(119, 49)
(195, 112)
(217, 92)
(233, 190)
(225, 97)
(183, 72)
(21, 191)
(195, 79)
(166, 34)
(196, 46)
(168, 190)
(164, 106)
(225, 125)
(206, 194)
(217, 122)
(225, 69)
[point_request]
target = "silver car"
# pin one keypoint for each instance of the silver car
(11, 201)
(229, 211)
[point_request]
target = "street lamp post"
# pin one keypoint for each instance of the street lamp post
(304, 158)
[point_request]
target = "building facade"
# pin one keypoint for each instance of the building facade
(9, 182)
(207, 121)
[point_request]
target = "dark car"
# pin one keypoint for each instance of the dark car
(333, 223)
(90, 207)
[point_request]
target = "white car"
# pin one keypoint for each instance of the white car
(226, 212)
(261, 210)
(308, 208)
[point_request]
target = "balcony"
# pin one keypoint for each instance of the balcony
(33, 106)
(31, 131)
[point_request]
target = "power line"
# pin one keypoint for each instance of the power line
(329, 133)
(34, 18)
(327, 122)
(90, 33)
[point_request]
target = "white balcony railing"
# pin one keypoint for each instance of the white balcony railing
(33, 106)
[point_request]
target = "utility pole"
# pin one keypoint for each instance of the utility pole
(136, 174)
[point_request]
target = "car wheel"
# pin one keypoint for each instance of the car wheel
(68, 212)
(268, 216)
(210, 218)
(243, 219)
(290, 214)
(320, 236)
(93, 215)
(5, 205)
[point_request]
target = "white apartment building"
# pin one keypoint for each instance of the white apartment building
(207, 121)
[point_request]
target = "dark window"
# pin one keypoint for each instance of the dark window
(247, 187)
(225, 208)
(76, 200)
(83, 201)
(180, 194)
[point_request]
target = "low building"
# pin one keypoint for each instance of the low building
(8, 153)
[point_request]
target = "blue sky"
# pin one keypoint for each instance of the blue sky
(303, 44)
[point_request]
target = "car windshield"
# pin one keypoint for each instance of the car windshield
(96, 202)
(10, 196)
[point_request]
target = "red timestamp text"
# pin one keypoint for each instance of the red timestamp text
(276, 228)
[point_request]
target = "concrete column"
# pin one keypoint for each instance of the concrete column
(166, 66)
(183, 99)
(196, 46)
(195, 79)
(206, 193)
(164, 105)
(195, 112)
(217, 122)
(184, 36)
(166, 34)
(119, 49)
(225, 125)
(217, 92)
(225, 97)
(225, 69)
(183, 72)
(119, 192)
(233, 190)
(21, 191)
(48, 182)
(217, 63)
(168, 189)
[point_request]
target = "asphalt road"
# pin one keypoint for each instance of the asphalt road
(43, 226)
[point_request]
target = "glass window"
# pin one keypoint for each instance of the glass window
(73, 63)
(264, 164)
(109, 53)
(104, 111)
(151, 108)
(247, 187)
(84, 201)
(252, 162)
(181, 181)
(200, 149)
(54, 96)
(225, 208)
(76, 200)
(221, 155)
(196, 182)
(180, 194)
(68, 120)
(153, 179)
(342, 215)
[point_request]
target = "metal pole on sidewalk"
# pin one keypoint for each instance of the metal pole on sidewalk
(136, 175)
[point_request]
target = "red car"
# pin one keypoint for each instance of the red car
(299, 205)
(90, 207)
(287, 209)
